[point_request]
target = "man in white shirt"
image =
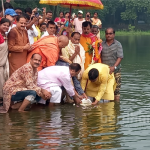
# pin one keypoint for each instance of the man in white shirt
(52, 78)
(32, 32)
(50, 29)
(78, 22)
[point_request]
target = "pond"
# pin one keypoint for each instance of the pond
(115, 126)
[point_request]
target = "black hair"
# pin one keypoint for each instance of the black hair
(35, 54)
(3, 20)
(93, 74)
(18, 8)
(42, 24)
(61, 12)
(50, 22)
(75, 66)
(49, 12)
(1, 9)
(7, 5)
(96, 13)
(73, 33)
(20, 16)
(95, 26)
(29, 10)
(110, 28)
(26, 15)
(67, 12)
(86, 23)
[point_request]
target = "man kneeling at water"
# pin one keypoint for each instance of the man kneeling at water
(22, 87)
(98, 83)
(54, 77)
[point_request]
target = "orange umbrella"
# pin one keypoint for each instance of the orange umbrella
(92, 4)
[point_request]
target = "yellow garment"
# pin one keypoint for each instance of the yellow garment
(69, 50)
(88, 57)
(39, 34)
(103, 87)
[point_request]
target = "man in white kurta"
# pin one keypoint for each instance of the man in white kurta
(52, 78)
(75, 52)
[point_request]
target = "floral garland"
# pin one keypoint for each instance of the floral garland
(95, 49)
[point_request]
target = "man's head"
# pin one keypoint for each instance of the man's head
(74, 68)
(43, 27)
(93, 74)
(28, 11)
(63, 41)
(95, 15)
(95, 29)
(110, 34)
(21, 22)
(49, 15)
(80, 14)
(61, 14)
(88, 14)
(75, 37)
(10, 14)
(18, 11)
(7, 5)
(86, 27)
(51, 27)
(35, 60)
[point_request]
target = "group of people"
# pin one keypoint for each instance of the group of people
(44, 61)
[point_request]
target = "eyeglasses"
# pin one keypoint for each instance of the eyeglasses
(109, 33)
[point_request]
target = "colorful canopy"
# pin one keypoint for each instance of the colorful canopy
(92, 4)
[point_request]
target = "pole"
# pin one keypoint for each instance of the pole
(70, 13)
(3, 7)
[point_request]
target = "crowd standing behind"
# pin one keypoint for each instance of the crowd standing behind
(48, 61)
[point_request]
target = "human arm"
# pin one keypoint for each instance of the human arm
(44, 16)
(29, 26)
(84, 80)
(12, 43)
(77, 52)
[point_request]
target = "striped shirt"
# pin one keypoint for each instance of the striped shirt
(111, 53)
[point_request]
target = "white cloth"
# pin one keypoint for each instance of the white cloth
(78, 25)
(45, 34)
(56, 95)
(56, 76)
(10, 27)
(69, 50)
(32, 33)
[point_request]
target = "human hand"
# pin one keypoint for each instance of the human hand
(46, 94)
(95, 103)
(84, 96)
(77, 50)
(27, 46)
(112, 69)
(35, 19)
(34, 10)
(44, 10)
(77, 100)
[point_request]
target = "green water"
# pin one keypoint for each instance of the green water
(115, 126)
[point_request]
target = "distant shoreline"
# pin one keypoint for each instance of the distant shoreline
(126, 33)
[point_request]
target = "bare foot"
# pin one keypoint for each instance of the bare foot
(16, 106)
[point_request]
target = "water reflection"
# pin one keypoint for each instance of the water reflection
(120, 126)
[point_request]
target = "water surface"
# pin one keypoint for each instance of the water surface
(115, 126)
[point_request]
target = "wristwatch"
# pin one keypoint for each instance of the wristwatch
(115, 67)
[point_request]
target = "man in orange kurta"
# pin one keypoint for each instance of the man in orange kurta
(87, 37)
(49, 48)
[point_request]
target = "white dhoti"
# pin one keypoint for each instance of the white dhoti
(56, 95)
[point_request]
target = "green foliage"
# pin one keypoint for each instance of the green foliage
(114, 12)
(131, 28)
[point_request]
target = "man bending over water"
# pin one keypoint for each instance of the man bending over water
(54, 77)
